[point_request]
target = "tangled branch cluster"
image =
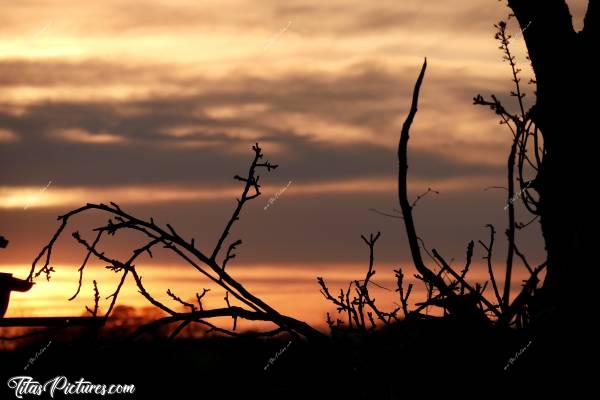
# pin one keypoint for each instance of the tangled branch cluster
(449, 289)
(207, 264)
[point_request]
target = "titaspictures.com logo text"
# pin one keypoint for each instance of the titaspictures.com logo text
(26, 385)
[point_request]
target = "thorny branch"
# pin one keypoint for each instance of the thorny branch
(356, 307)
(523, 131)
(458, 297)
(94, 312)
(168, 238)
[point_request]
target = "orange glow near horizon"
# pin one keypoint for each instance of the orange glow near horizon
(282, 287)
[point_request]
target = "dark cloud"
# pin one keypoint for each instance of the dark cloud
(30, 162)
(366, 96)
(49, 73)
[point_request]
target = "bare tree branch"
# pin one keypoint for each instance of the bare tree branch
(173, 241)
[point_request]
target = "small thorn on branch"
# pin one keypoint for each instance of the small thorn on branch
(94, 312)
(179, 300)
(230, 255)
(419, 197)
(199, 298)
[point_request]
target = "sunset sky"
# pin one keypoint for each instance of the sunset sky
(155, 105)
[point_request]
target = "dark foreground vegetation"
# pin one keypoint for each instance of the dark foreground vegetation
(429, 358)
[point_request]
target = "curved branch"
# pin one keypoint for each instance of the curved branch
(405, 205)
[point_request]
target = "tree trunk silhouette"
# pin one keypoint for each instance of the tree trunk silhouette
(566, 76)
